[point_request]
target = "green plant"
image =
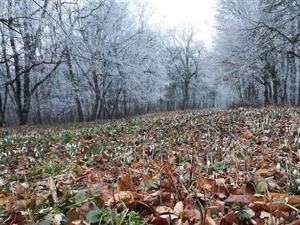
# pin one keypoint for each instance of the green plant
(147, 185)
(108, 216)
(261, 185)
(240, 211)
(133, 218)
(292, 187)
(66, 136)
(52, 166)
(35, 170)
(180, 159)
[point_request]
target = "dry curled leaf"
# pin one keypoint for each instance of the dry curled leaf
(126, 197)
(125, 183)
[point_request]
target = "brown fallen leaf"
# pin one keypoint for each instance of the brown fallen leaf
(247, 135)
(293, 199)
(209, 221)
(15, 218)
(277, 197)
(230, 218)
(192, 215)
(158, 220)
(72, 216)
(125, 183)
(265, 172)
(6, 201)
(79, 222)
(278, 207)
(158, 197)
(166, 212)
(296, 222)
(244, 199)
(126, 197)
(217, 206)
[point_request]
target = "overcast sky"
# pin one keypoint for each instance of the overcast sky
(200, 13)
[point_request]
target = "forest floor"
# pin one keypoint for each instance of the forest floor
(204, 167)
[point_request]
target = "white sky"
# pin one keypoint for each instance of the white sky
(200, 13)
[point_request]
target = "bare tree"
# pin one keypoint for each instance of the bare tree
(258, 45)
(25, 29)
(185, 61)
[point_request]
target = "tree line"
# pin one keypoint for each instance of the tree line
(257, 50)
(70, 60)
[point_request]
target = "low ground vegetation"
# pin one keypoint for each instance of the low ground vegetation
(233, 166)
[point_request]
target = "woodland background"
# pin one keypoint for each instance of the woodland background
(65, 61)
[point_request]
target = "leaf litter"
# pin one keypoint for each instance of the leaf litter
(204, 167)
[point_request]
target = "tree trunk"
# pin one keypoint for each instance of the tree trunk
(115, 107)
(79, 110)
(17, 92)
(266, 90)
(7, 77)
(185, 101)
(102, 108)
(72, 78)
(97, 95)
(26, 99)
(38, 113)
(284, 82)
(292, 68)
(276, 83)
(2, 111)
(125, 110)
